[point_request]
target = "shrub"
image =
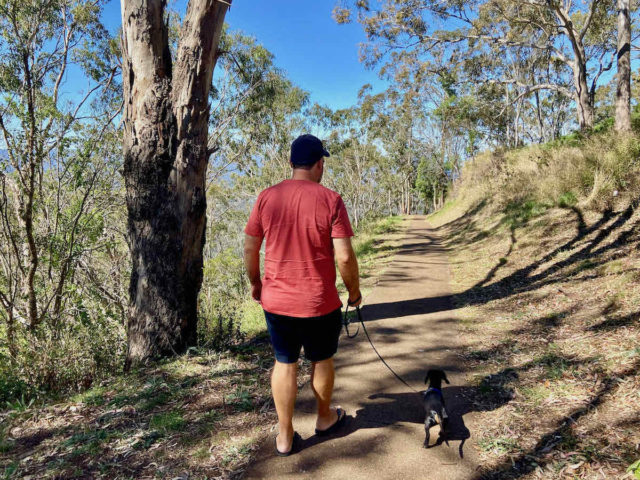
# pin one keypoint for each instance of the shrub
(68, 359)
(222, 329)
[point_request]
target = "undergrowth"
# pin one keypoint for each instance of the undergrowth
(544, 246)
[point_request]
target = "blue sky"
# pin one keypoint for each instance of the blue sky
(318, 55)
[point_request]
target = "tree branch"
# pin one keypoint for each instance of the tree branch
(587, 22)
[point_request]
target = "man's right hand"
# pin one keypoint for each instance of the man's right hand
(355, 299)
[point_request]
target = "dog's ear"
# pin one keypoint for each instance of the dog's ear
(444, 377)
(426, 379)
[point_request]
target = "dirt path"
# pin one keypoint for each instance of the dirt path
(409, 318)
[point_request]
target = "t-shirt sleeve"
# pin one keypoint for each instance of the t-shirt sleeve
(254, 224)
(340, 224)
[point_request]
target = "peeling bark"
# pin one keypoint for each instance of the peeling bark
(165, 160)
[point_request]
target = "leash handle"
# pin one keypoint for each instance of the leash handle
(351, 304)
(345, 319)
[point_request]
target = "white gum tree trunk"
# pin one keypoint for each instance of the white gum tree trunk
(166, 116)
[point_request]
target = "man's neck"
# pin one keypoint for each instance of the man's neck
(300, 174)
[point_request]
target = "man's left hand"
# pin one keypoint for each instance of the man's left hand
(256, 291)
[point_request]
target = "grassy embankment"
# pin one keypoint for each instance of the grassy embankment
(544, 247)
(202, 414)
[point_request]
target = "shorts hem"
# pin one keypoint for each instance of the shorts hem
(314, 360)
(287, 360)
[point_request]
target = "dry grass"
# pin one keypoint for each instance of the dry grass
(552, 298)
(598, 173)
(199, 416)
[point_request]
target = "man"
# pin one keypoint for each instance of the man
(304, 224)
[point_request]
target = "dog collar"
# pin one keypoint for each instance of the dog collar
(436, 389)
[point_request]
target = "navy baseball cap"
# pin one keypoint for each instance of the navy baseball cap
(307, 150)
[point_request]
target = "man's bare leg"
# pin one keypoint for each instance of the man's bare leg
(284, 386)
(322, 377)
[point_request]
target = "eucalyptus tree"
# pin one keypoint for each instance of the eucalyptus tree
(579, 35)
(399, 123)
(354, 171)
(166, 122)
(623, 91)
(58, 161)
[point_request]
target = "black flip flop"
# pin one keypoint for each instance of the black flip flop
(342, 416)
(294, 442)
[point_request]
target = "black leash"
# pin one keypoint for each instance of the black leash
(345, 322)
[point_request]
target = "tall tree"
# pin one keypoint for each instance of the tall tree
(165, 160)
(623, 91)
(579, 35)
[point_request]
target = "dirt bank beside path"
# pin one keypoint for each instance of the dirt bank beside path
(410, 319)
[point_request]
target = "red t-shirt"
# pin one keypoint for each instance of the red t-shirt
(298, 219)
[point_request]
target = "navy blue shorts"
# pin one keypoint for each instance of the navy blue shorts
(318, 336)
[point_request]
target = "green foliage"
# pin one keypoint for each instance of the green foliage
(62, 317)
(86, 442)
(253, 322)
(573, 139)
(499, 445)
(575, 172)
(20, 404)
(604, 125)
(634, 468)
(567, 200)
(167, 422)
(518, 213)
(241, 400)
(14, 389)
(222, 331)
(366, 243)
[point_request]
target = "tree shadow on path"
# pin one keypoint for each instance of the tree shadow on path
(522, 280)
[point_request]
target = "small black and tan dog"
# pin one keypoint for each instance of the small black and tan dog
(433, 401)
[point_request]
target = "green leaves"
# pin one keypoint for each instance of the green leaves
(635, 469)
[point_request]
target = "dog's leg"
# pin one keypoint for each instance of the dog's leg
(428, 423)
(445, 419)
(444, 422)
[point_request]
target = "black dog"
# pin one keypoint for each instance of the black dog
(434, 404)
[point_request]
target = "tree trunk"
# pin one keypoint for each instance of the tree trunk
(389, 202)
(583, 98)
(433, 201)
(165, 159)
(356, 214)
(623, 91)
(541, 136)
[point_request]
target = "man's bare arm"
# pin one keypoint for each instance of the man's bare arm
(348, 268)
(252, 264)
